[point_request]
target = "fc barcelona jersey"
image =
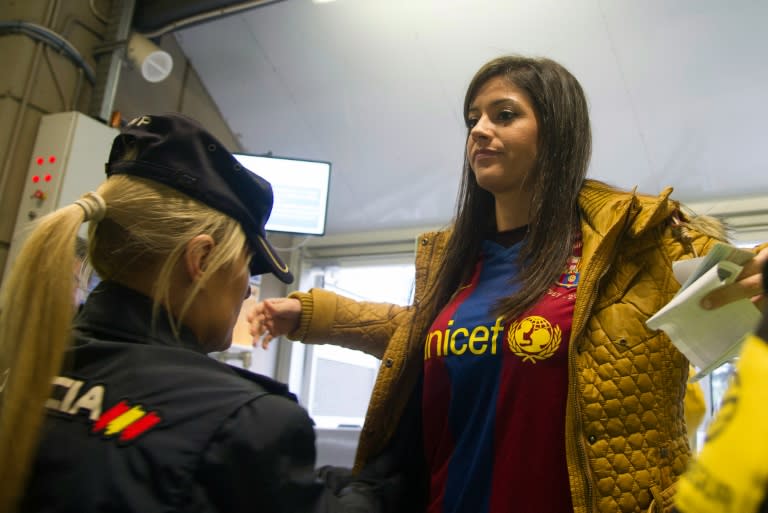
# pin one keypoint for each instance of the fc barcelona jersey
(495, 395)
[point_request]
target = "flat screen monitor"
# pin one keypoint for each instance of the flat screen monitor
(300, 188)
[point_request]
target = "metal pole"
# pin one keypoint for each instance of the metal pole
(109, 64)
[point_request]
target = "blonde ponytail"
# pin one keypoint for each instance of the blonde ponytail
(36, 310)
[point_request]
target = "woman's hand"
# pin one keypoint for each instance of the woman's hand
(273, 318)
(749, 284)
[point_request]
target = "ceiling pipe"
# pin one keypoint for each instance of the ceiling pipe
(51, 38)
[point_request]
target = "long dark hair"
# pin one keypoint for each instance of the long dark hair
(564, 148)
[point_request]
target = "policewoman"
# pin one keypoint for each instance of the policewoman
(135, 416)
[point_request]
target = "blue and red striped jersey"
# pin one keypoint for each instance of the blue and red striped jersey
(495, 393)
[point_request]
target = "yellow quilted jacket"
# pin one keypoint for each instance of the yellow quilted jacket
(626, 440)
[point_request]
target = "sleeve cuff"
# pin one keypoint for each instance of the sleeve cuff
(307, 304)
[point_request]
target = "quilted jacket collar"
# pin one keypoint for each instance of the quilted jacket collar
(603, 206)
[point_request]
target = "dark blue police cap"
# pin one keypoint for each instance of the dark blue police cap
(176, 151)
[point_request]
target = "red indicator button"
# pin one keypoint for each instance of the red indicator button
(40, 161)
(47, 178)
(35, 179)
(52, 159)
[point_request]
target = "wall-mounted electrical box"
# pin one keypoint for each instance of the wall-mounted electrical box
(67, 160)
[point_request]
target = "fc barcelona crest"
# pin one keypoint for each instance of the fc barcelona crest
(570, 277)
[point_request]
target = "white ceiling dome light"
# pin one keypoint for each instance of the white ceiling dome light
(154, 64)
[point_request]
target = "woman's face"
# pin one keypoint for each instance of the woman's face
(502, 144)
(214, 312)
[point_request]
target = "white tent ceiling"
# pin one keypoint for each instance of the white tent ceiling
(677, 91)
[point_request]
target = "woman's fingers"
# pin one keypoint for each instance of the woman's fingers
(748, 285)
(273, 318)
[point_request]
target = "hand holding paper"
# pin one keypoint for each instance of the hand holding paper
(747, 285)
(707, 338)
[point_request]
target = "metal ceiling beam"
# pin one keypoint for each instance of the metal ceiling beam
(154, 18)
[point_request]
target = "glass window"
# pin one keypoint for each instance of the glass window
(337, 382)
(715, 385)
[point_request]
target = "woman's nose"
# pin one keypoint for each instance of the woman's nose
(481, 130)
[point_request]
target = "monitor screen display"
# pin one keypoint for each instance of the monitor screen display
(300, 188)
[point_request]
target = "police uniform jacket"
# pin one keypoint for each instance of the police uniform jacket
(143, 421)
(626, 441)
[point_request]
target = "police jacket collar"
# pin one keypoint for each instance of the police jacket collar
(115, 312)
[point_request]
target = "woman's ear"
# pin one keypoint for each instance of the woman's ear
(196, 255)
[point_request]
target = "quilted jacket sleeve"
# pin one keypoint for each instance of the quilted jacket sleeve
(328, 318)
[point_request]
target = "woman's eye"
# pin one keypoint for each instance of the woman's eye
(471, 122)
(506, 115)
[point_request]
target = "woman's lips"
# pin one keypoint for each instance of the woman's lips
(481, 155)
